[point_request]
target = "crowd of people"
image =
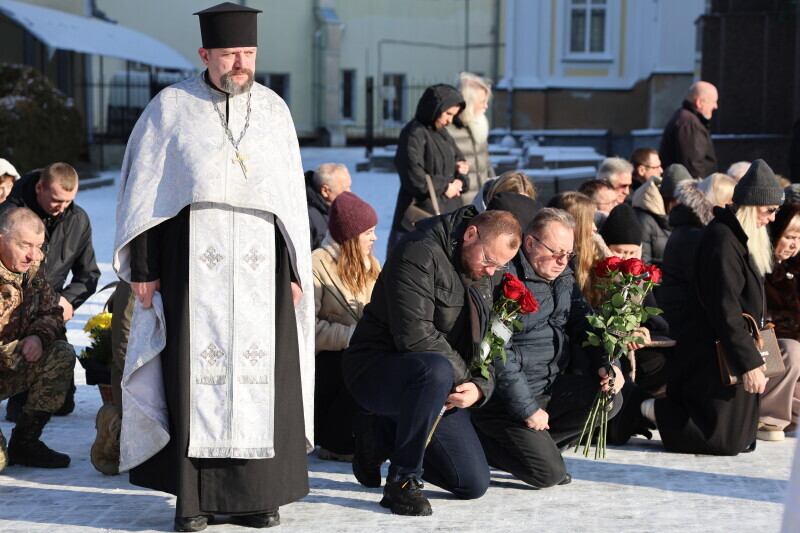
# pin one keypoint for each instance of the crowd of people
(261, 299)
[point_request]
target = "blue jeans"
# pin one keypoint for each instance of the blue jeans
(407, 391)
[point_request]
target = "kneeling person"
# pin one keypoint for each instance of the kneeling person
(409, 353)
(536, 408)
(30, 356)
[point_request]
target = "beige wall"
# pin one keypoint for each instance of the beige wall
(286, 42)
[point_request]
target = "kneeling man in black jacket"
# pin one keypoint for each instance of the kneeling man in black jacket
(537, 409)
(409, 357)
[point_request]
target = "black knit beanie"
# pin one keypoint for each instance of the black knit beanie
(758, 186)
(519, 205)
(622, 227)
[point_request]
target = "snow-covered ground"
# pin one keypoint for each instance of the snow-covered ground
(639, 487)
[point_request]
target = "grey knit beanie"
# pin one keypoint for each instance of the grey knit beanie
(674, 174)
(758, 186)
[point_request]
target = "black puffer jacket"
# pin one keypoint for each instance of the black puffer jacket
(422, 149)
(420, 302)
(687, 220)
(540, 351)
(317, 216)
(68, 243)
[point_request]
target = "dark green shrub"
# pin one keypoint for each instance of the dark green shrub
(39, 125)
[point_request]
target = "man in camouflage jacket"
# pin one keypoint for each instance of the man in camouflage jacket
(30, 356)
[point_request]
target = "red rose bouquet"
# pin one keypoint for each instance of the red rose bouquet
(515, 301)
(624, 286)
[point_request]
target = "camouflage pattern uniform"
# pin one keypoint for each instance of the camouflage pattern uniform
(29, 306)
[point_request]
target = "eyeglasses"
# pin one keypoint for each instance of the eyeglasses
(556, 255)
(488, 262)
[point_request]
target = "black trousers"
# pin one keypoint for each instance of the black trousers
(334, 406)
(534, 456)
(408, 391)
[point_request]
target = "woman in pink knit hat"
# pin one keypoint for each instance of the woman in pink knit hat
(344, 274)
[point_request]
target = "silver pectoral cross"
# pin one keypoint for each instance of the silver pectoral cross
(241, 158)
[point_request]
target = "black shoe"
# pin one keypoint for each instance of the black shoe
(366, 463)
(567, 479)
(405, 498)
(15, 405)
(190, 523)
(25, 448)
(259, 520)
(629, 420)
(69, 403)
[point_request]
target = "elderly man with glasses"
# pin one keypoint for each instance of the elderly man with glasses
(410, 354)
(537, 409)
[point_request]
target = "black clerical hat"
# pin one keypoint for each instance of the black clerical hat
(228, 25)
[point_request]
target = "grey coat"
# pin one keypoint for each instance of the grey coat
(477, 155)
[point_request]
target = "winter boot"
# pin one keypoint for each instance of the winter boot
(105, 450)
(366, 462)
(14, 406)
(69, 402)
(3, 452)
(405, 498)
(25, 448)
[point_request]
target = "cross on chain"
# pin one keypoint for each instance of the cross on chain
(241, 158)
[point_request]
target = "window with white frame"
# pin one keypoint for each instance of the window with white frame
(587, 26)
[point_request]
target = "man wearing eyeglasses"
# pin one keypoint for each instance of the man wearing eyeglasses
(537, 410)
(646, 163)
(619, 173)
(409, 355)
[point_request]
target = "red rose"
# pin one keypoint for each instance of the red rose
(633, 266)
(602, 268)
(654, 274)
(513, 288)
(528, 303)
(614, 263)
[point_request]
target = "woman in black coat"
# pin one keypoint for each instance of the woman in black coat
(425, 147)
(700, 414)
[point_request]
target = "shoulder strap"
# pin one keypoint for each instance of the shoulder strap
(432, 193)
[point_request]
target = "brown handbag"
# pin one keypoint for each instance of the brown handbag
(414, 213)
(767, 345)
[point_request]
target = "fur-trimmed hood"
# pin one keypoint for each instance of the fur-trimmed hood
(694, 208)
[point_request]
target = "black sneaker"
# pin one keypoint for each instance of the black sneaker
(405, 498)
(366, 463)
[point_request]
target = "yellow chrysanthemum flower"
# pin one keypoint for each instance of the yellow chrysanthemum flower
(100, 321)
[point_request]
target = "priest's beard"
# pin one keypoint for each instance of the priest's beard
(478, 125)
(231, 87)
(758, 243)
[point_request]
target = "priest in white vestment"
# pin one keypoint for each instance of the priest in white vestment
(212, 233)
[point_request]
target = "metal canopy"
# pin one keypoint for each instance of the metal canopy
(65, 31)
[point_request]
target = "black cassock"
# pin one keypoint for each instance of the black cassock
(220, 486)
